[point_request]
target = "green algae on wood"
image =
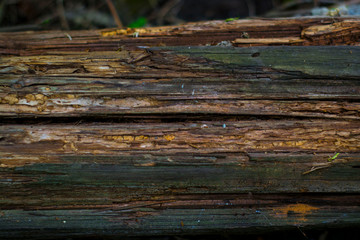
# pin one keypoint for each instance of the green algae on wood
(259, 81)
(318, 61)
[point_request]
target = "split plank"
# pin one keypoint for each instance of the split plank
(284, 81)
(204, 128)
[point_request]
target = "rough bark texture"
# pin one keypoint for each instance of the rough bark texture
(180, 130)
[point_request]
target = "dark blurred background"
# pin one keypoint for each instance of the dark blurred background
(22, 15)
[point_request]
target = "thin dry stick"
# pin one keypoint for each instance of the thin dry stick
(317, 168)
(302, 232)
(114, 14)
(251, 8)
(168, 6)
(61, 12)
(331, 161)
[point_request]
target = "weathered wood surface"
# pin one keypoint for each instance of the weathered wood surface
(103, 137)
(286, 81)
(297, 31)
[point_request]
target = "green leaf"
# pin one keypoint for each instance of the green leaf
(231, 19)
(330, 159)
(138, 23)
(45, 22)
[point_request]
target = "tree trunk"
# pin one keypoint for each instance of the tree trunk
(204, 128)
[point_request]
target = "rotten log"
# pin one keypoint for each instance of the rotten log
(203, 128)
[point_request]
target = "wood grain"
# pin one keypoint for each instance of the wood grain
(244, 126)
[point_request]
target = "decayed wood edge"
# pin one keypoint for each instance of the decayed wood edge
(77, 165)
(56, 182)
(268, 81)
(309, 31)
(147, 220)
(92, 185)
(302, 136)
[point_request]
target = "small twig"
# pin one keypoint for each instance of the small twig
(68, 35)
(251, 8)
(114, 13)
(144, 205)
(168, 6)
(61, 12)
(302, 232)
(331, 161)
(192, 145)
(316, 168)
